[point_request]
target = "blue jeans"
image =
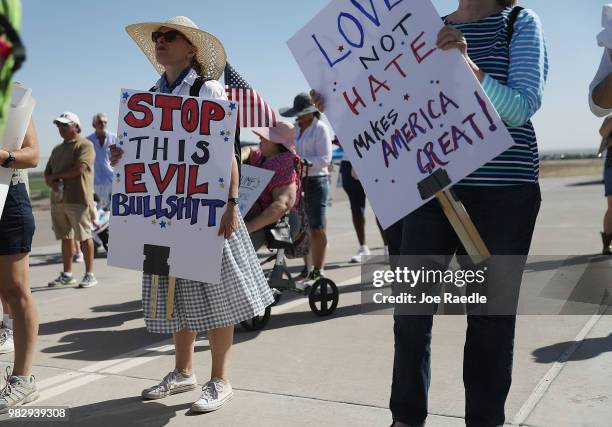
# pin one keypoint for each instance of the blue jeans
(317, 193)
(505, 218)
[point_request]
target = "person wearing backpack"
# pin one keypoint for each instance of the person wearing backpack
(504, 47)
(190, 61)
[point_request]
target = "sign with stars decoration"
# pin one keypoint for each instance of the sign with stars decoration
(401, 108)
(171, 186)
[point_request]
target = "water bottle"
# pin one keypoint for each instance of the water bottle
(59, 194)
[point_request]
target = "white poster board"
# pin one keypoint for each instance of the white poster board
(253, 181)
(20, 112)
(400, 107)
(171, 186)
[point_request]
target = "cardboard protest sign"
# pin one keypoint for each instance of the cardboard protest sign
(400, 107)
(20, 112)
(172, 184)
(253, 181)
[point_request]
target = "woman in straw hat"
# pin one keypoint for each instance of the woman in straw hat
(187, 56)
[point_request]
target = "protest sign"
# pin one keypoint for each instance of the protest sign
(400, 107)
(253, 181)
(20, 112)
(171, 186)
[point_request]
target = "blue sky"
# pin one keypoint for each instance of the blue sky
(79, 56)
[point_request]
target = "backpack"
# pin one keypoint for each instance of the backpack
(511, 21)
(195, 91)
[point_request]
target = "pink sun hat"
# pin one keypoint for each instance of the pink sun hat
(283, 133)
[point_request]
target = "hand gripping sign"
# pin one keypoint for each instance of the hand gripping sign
(171, 186)
(401, 108)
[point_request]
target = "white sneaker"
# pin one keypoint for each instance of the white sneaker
(63, 280)
(363, 251)
(6, 341)
(173, 383)
(215, 394)
(78, 258)
(17, 392)
(88, 281)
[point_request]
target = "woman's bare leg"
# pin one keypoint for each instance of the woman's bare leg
(220, 345)
(184, 342)
(15, 291)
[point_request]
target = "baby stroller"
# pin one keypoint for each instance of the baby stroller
(288, 238)
(99, 230)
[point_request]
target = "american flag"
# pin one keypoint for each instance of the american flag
(253, 111)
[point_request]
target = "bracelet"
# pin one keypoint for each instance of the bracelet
(9, 160)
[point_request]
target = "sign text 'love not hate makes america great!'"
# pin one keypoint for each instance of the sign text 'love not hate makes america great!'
(401, 108)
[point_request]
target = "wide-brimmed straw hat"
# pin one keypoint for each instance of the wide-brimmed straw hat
(302, 104)
(283, 133)
(211, 53)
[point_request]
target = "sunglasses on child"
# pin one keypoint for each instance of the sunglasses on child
(169, 36)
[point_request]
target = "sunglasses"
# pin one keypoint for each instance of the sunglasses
(169, 36)
(62, 125)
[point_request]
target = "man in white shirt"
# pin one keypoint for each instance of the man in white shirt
(103, 171)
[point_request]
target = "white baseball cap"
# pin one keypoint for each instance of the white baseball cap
(68, 117)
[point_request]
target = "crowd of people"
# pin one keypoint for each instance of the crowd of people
(510, 62)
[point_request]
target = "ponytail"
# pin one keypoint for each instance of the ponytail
(197, 67)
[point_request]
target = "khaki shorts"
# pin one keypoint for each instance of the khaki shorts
(71, 221)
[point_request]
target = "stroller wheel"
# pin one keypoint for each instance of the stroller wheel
(323, 297)
(257, 323)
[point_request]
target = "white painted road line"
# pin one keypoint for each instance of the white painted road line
(75, 379)
(65, 382)
(540, 389)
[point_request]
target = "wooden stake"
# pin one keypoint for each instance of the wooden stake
(153, 300)
(463, 226)
(170, 299)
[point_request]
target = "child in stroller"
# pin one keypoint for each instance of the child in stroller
(278, 220)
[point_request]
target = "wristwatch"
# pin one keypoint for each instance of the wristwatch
(233, 200)
(9, 161)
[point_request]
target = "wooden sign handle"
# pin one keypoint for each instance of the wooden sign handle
(463, 226)
(153, 299)
(170, 299)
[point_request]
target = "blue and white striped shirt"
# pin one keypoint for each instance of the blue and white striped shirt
(515, 76)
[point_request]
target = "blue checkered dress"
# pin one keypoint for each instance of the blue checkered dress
(242, 294)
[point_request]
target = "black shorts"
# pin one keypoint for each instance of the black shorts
(353, 188)
(17, 222)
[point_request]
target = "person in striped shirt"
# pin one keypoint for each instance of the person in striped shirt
(504, 47)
